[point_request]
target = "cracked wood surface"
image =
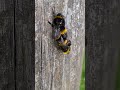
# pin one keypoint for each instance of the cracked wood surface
(53, 70)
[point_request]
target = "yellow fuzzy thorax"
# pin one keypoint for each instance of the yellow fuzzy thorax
(63, 31)
(58, 17)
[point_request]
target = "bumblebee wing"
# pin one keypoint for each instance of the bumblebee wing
(56, 34)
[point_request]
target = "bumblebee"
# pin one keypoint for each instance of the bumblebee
(60, 32)
(65, 47)
(58, 25)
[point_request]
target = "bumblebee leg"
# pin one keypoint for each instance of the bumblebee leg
(50, 23)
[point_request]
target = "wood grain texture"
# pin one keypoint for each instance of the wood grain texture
(7, 81)
(53, 70)
(102, 27)
(24, 40)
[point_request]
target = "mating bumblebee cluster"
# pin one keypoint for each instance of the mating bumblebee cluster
(60, 32)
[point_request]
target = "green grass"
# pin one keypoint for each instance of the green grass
(82, 84)
(118, 75)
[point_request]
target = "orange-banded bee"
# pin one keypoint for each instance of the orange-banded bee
(60, 32)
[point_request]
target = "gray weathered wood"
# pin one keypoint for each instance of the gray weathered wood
(24, 40)
(7, 76)
(53, 70)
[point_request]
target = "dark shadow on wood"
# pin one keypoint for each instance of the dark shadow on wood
(7, 81)
(102, 27)
(17, 45)
(25, 44)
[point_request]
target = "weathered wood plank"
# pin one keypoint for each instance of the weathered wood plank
(53, 70)
(7, 76)
(24, 40)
